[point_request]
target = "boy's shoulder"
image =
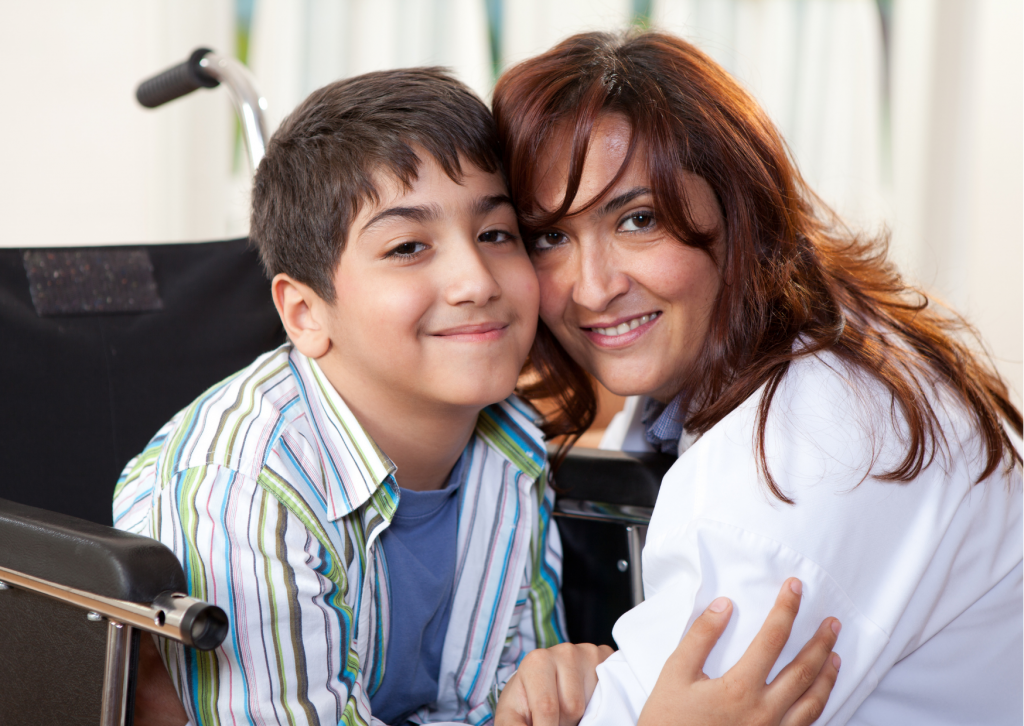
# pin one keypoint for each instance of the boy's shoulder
(233, 425)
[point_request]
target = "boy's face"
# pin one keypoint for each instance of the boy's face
(436, 299)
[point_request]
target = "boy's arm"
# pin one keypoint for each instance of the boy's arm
(287, 657)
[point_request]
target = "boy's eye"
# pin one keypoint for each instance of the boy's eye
(496, 236)
(406, 249)
(547, 240)
(637, 222)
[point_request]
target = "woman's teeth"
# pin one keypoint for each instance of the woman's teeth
(624, 328)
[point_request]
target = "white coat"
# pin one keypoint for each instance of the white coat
(925, 576)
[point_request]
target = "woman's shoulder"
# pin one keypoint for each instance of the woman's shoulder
(831, 420)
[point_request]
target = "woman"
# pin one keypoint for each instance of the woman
(829, 421)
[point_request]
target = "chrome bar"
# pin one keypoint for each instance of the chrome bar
(635, 520)
(636, 536)
(172, 615)
(248, 102)
(115, 675)
(601, 512)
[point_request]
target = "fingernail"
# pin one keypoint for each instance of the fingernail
(718, 604)
(796, 586)
(836, 627)
(836, 660)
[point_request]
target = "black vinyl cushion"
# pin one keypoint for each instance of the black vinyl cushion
(86, 556)
(85, 393)
(51, 662)
(595, 591)
(612, 477)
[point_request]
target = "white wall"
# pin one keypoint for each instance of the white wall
(82, 162)
(300, 45)
(958, 179)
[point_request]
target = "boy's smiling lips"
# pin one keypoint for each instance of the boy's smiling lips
(474, 332)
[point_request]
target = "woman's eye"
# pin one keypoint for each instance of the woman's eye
(496, 236)
(406, 249)
(546, 241)
(637, 222)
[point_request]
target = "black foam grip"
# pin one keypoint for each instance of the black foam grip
(175, 82)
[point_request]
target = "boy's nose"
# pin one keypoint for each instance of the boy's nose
(470, 278)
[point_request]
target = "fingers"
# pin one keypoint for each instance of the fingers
(513, 708)
(759, 659)
(558, 682)
(539, 679)
(693, 650)
(812, 660)
(590, 657)
(811, 705)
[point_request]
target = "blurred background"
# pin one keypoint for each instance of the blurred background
(903, 114)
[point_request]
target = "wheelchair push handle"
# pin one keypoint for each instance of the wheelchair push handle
(177, 81)
(207, 69)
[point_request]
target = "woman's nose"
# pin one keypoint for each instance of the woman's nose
(470, 278)
(599, 277)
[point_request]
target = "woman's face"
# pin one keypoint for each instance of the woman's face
(630, 303)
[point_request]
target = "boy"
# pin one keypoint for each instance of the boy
(363, 502)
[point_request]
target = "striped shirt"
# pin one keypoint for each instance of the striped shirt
(273, 497)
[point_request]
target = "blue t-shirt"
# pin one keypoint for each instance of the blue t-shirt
(419, 547)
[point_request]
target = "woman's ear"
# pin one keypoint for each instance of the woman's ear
(301, 312)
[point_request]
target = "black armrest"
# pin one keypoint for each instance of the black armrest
(86, 556)
(612, 477)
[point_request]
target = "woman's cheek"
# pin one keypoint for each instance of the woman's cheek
(555, 292)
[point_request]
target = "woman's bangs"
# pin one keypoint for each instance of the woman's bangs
(578, 144)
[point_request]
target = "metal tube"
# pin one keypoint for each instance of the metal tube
(602, 512)
(115, 674)
(247, 100)
(173, 615)
(636, 536)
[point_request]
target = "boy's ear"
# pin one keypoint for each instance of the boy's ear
(302, 313)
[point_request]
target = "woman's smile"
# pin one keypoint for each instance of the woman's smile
(622, 333)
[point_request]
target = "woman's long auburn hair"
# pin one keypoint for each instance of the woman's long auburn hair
(796, 281)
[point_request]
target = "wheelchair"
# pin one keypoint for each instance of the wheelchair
(87, 332)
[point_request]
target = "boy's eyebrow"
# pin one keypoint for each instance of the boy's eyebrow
(422, 214)
(489, 204)
(432, 212)
(622, 200)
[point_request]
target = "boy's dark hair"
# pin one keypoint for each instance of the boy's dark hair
(321, 164)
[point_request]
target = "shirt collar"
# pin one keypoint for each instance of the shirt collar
(355, 467)
(510, 429)
(352, 463)
(663, 424)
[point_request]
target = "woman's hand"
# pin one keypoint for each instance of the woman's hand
(796, 697)
(552, 686)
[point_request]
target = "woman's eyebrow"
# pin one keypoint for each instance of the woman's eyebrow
(622, 200)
